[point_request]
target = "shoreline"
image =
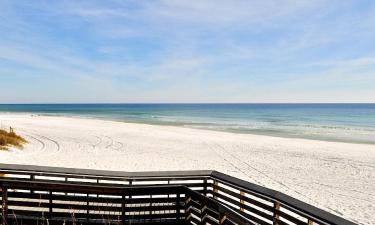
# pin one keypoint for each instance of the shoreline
(334, 176)
(182, 125)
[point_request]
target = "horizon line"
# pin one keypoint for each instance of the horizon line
(177, 103)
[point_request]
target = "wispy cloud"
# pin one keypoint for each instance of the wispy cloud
(356, 62)
(191, 50)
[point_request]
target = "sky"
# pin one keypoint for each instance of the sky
(143, 51)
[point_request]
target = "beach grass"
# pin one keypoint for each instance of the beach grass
(10, 138)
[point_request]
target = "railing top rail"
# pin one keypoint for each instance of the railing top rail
(105, 173)
(83, 188)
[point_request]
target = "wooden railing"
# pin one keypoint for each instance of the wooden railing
(50, 195)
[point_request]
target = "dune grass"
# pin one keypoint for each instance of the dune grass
(10, 138)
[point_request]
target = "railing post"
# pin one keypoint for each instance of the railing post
(276, 207)
(187, 215)
(130, 184)
(4, 206)
(123, 208)
(66, 181)
(151, 207)
(242, 202)
(203, 209)
(50, 205)
(87, 207)
(32, 178)
(205, 187)
(216, 184)
(222, 218)
(177, 206)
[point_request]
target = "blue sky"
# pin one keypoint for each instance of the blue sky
(187, 51)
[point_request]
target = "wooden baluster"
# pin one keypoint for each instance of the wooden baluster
(205, 187)
(32, 178)
(50, 205)
(216, 184)
(131, 215)
(130, 184)
(87, 208)
(222, 218)
(4, 206)
(188, 216)
(123, 209)
(276, 215)
(178, 207)
(203, 209)
(242, 201)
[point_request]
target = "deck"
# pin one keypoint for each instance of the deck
(51, 195)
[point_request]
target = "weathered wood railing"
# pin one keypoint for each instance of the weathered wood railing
(50, 195)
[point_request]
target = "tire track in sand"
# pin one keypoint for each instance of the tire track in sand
(120, 146)
(42, 140)
(58, 147)
(222, 149)
(110, 142)
(100, 140)
(33, 136)
(43, 145)
(39, 138)
(231, 163)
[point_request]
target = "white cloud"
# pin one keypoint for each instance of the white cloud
(354, 62)
(205, 45)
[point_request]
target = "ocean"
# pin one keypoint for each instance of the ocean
(332, 122)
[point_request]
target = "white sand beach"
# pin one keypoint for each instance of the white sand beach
(338, 177)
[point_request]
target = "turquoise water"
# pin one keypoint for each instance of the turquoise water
(333, 122)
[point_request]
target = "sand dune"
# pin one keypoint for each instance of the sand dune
(338, 177)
